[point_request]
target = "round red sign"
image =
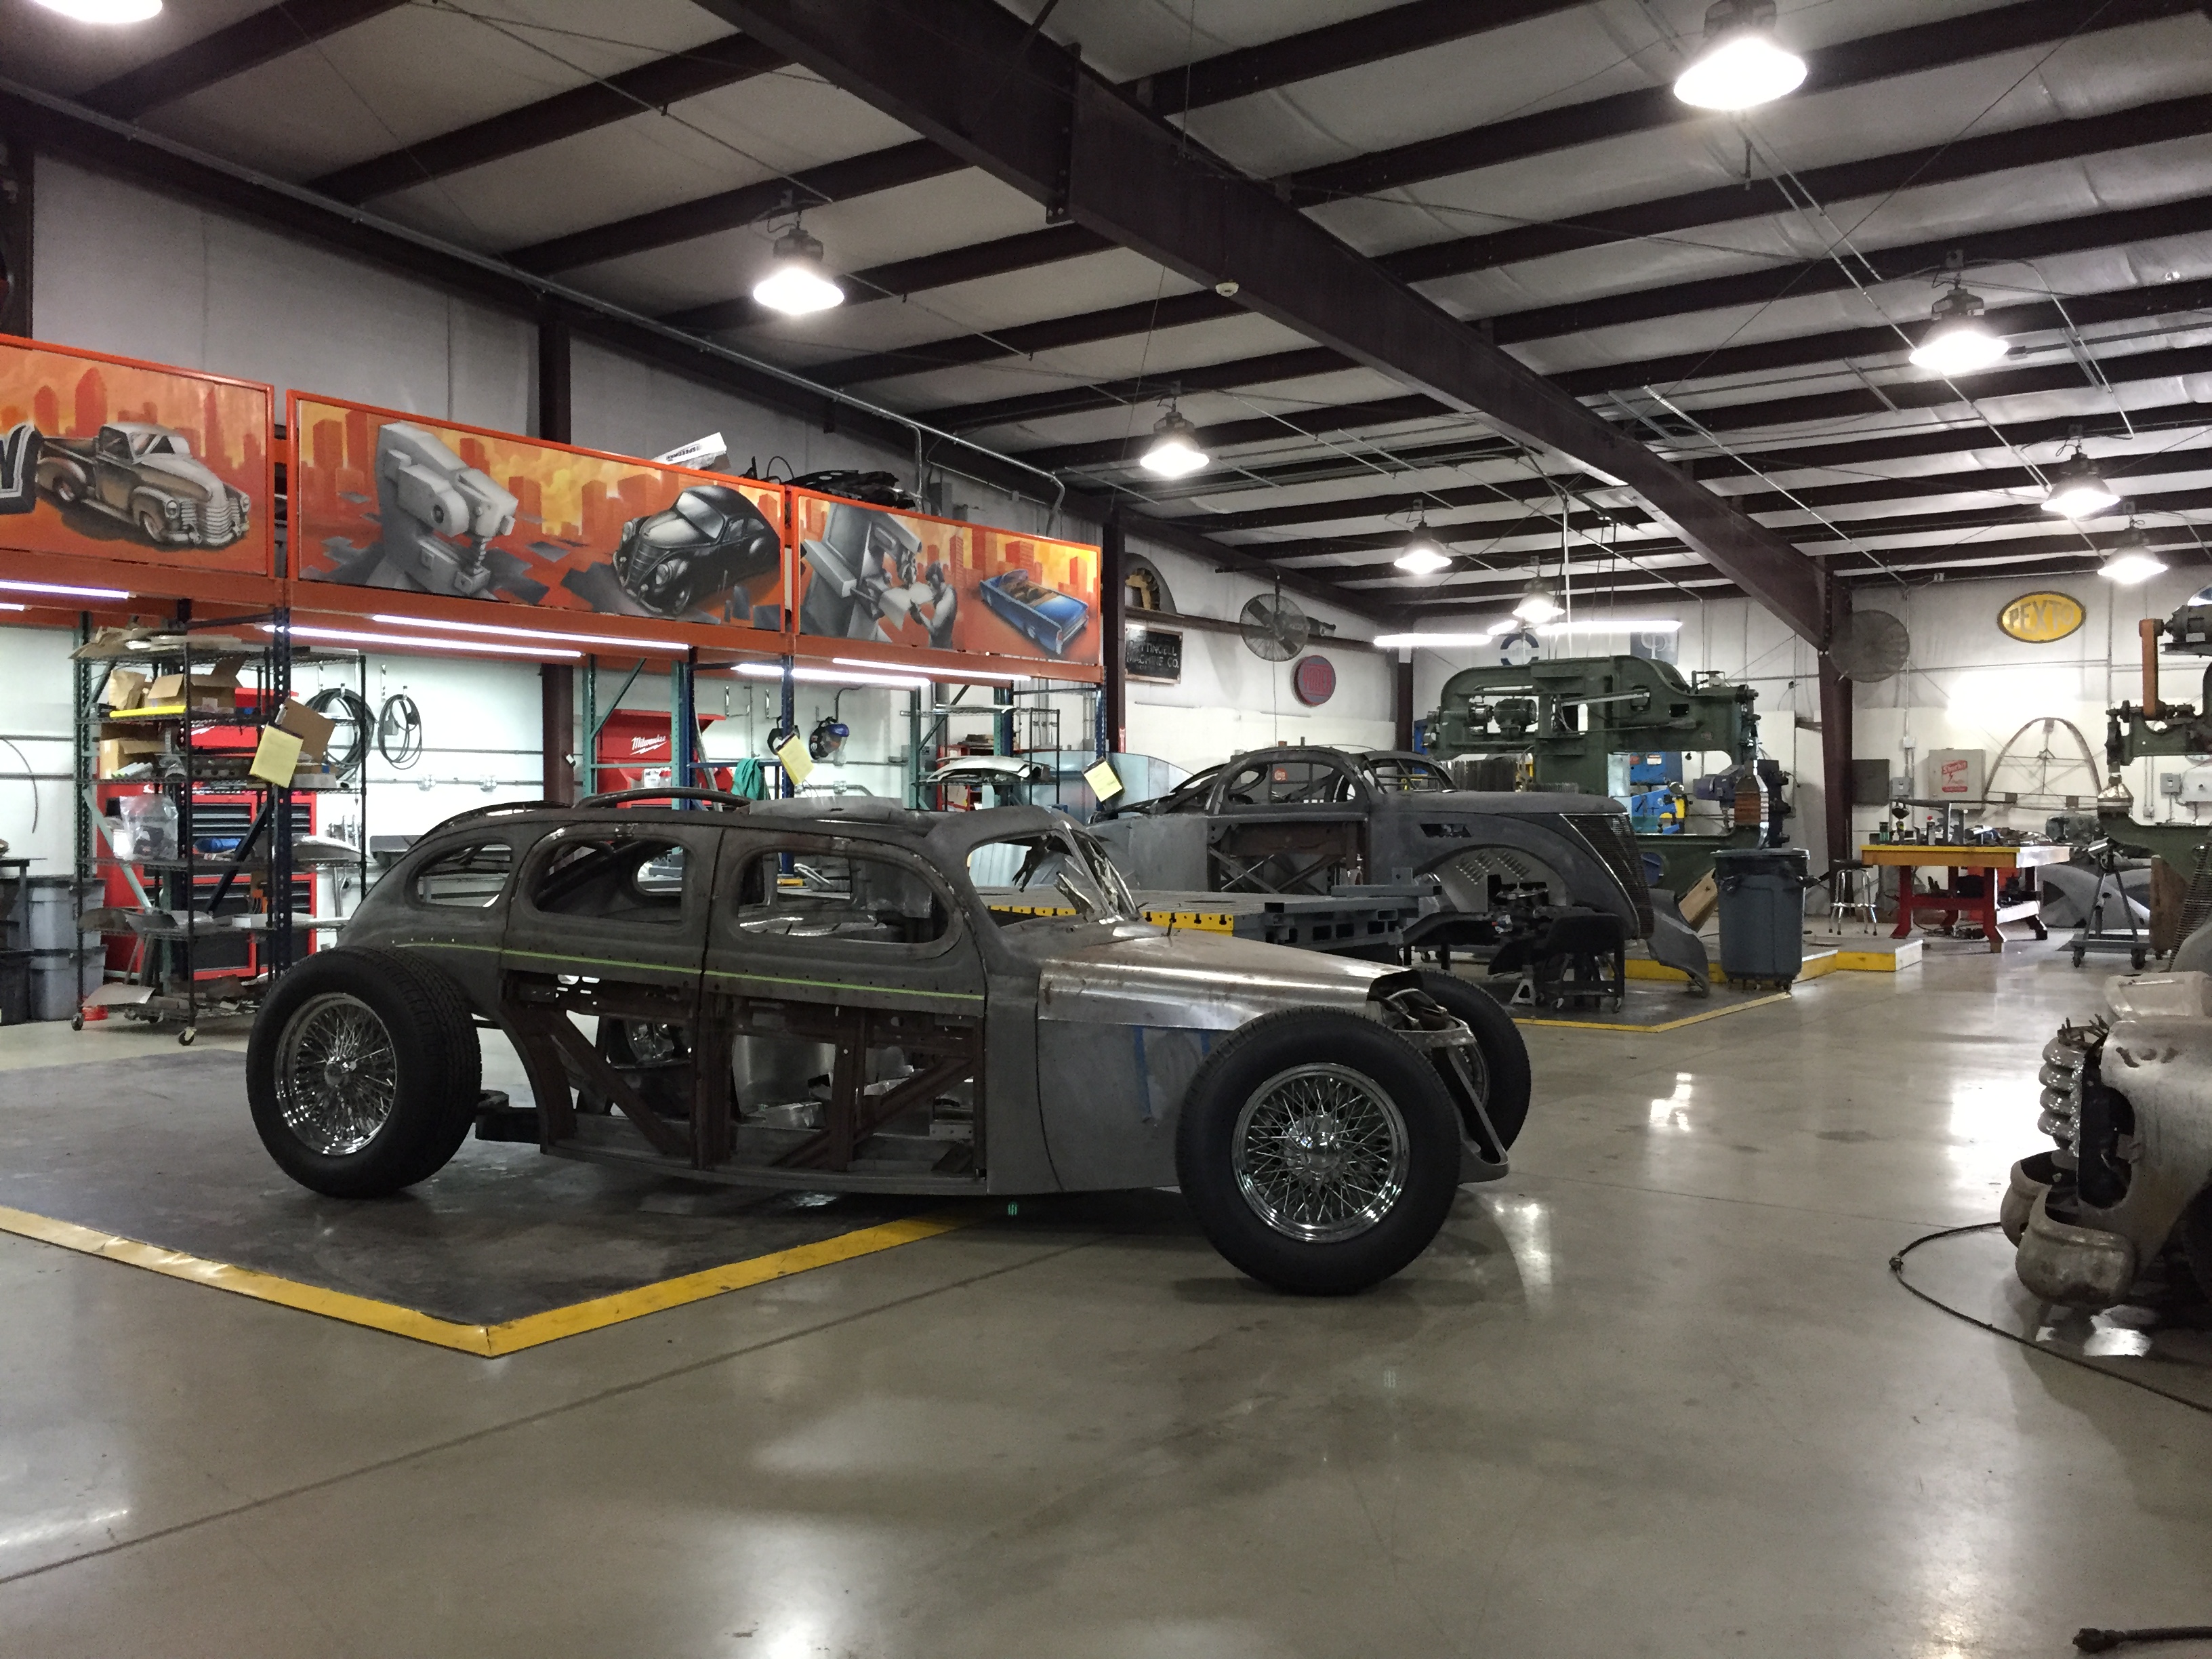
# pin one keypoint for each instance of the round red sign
(1314, 680)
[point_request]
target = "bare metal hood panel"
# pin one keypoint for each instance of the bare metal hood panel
(1197, 981)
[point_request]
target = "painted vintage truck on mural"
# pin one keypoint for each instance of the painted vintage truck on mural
(823, 998)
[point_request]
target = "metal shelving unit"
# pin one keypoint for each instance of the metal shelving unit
(241, 845)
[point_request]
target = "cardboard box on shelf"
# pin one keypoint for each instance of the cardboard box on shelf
(312, 730)
(126, 689)
(116, 753)
(214, 692)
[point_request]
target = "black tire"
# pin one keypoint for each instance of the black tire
(414, 1026)
(1383, 1073)
(1505, 1060)
(2197, 1240)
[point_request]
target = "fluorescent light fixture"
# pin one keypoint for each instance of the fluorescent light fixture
(1536, 603)
(797, 283)
(1957, 341)
(2131, 561)
(934, 673)
(61, 593)
(2078, 490)
(1175, 453)
(1742, 64)
(418, 642)
(105, 11)
(15, 607)
(769, 671)
(676, 647)
(1515, 625)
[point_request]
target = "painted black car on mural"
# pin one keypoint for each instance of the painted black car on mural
(710, 540)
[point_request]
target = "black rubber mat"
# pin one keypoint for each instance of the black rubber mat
(162, 1150)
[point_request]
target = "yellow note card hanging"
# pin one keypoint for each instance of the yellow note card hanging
(277, 756)
(797, 763)
(1104, 781)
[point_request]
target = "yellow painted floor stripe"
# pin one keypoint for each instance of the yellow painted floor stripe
(488, 1341)
(1664, 1026)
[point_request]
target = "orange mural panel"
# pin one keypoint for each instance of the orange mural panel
(402, 502)
(112, 458)
(893, 578)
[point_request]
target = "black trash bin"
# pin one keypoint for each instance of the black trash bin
(1762, 907)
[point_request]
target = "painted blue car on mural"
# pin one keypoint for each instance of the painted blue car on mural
(1045, 615)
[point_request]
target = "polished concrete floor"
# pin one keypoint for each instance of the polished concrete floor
(1656, 1395)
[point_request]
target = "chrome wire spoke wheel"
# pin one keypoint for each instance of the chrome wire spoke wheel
(1320, 1152)
(337, 1074)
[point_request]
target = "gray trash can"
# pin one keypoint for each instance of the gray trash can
(1762, 906)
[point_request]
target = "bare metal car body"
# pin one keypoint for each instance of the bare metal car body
(2127, 1100)
(1310, 819)
(1061, 1047)
(148, 476)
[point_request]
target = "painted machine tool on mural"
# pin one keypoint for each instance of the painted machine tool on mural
(392, 501)
(118, 460)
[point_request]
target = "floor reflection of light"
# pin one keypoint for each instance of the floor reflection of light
(46, 1528)
(1527, 1225)
(1673, 1111)
(1991, 1121)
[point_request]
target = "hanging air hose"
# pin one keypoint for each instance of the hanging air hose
(399, 731)
(347, 711)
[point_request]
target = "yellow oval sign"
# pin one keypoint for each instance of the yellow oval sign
(2039, 618)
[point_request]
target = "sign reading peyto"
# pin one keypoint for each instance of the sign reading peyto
(2041, 618)
(1314, 680)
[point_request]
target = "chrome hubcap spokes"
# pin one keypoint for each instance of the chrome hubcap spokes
(336, 1074)
(1320, 1153)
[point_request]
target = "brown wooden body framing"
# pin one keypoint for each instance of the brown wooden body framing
(536, 1006)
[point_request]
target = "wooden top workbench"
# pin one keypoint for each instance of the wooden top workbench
(1962, 858)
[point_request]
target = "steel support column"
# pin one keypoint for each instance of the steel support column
(555, 405)
(1060, 133)
(1111, 736)
(1401, 697)
(1835, 738)
(16, 164)
(556, 683)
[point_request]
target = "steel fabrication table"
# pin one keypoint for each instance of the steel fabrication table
(1992, 864)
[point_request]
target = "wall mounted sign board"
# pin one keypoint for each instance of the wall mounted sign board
(885, 577)
(106, 457)
(1153, 654)
(1314, 681)
(2041, 618)
(407, 504)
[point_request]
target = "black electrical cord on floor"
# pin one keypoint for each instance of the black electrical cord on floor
(2089, 1638)
(1897, 1269)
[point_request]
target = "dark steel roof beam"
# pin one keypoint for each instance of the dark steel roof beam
(250, 42)
(653, 85)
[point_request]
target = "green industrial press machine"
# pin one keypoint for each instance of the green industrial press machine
(1589, 723)
(2154, 727)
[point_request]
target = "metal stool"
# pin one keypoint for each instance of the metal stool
(1854, 893)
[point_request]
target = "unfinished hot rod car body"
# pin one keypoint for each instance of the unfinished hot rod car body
(1312, 820)
(2127, 1102)
(821, 996)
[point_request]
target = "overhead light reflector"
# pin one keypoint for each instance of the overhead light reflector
(1422, 556)
(2131, 561)
(105, 11)
(798, 284)
(1742, 64)
(1957, 341)
(1536, 603)
(2078, 490)
(1175, 453)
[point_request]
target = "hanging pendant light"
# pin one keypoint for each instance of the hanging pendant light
(2131, 560)
(1957, 341)
(1537, 602)
(798, 284)
(1422, 556)
(105, 11)
(1175, 453)
(2078, 490)
(1742, 64)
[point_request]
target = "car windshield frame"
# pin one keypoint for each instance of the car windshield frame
(1088, 879)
